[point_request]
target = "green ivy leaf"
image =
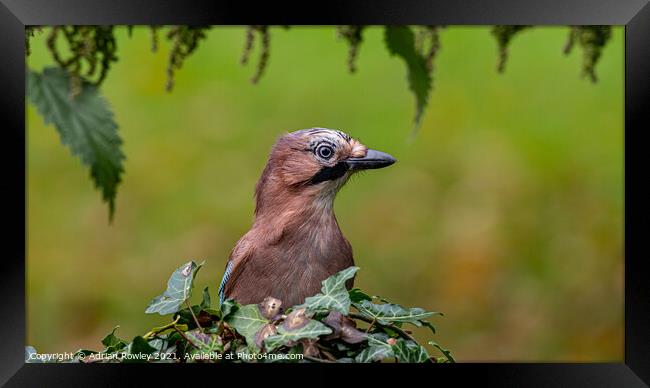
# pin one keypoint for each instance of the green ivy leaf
(141, 349)
(228, 307)
(179, 289)
(205, 343)
(444, 351)
(312, 329)
(409, 351)
(247, 321)
(205, 303)
(400, 41)
(84, 123)
(334, 295)
(112, 342)
(387, 313)
(357, 296)
(377, 350)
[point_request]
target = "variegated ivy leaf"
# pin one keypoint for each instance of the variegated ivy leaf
(247, 321)
(205, 343)
(179, 289)
(377, 350)
(387, 313)
(334, 295)
(312, 329)
(409, 351)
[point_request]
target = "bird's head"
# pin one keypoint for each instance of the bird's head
(313, 164)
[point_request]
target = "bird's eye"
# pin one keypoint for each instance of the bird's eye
(324, 151)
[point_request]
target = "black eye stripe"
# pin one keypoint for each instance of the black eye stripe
(329, 173)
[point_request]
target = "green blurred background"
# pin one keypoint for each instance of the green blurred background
(505, 212)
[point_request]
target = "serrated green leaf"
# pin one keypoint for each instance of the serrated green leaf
(334, 295)
(392, 313)
(247, 321)
(400, 41)
(84, 123)
(312, 329)
(409, 351)
(179, 289)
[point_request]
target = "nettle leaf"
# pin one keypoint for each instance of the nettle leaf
(334, 295)
(247, 321)
(377, 350)
(387, 313)
(409, 351)
(400, 41)
(179, 289)
(84, 123)
(285, 336)
(112, 342)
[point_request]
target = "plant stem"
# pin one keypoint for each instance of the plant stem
(316, 359)
(184, 336)
(187, 302)
(391, 326)
(161, 329)
(371, 324)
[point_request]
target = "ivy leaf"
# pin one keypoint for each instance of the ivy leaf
(444, 351)
(179, 289)
(377, 350)
(205, 303)
(228, 307)
(205, 343)
(357, 296)
(400, 41)
(112, 342)
(312, 329)
(409, 351)
(334, 295)
(84, 123)
(387, 313)
(247, 321)
(141, 349)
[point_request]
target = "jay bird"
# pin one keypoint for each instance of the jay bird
(295, 242)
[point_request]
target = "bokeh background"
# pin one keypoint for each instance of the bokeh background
(505, 212)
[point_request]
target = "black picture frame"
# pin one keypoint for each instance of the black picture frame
(634, 14)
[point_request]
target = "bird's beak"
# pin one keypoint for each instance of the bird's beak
(373, 159)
